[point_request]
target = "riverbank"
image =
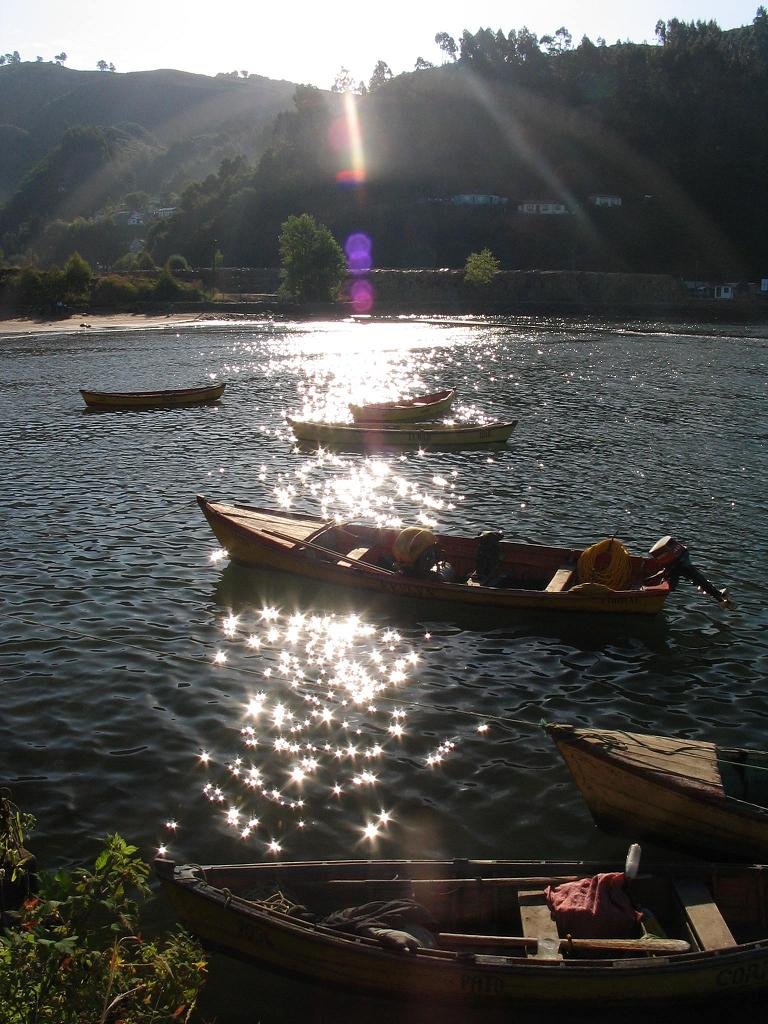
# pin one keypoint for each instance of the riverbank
(427, 307)
(84, 322)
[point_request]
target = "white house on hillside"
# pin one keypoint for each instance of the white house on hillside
(538, 206)
(478, 199)
(605, 200)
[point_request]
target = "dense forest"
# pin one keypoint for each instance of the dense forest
(507, 144)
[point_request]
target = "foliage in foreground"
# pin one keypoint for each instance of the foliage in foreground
(313, 265)
(76, 954)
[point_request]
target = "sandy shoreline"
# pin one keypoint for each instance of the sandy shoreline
(95, 322)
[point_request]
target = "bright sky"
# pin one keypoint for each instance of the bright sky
(308, 41)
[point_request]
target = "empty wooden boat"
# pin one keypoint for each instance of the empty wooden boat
(144, 399)
(405, 410)
(689, 794)
(418, 435)
(489, 941)
(514, 576)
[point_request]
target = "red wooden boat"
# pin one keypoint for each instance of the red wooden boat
(530, 575)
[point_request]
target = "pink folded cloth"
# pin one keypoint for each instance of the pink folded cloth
(594, 908)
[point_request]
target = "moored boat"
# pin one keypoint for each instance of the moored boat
(416, 435)
(144, 399)
(485, 935)
(405, 410)
(689, 794)
(472, 571)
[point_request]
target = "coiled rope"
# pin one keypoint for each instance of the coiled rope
(607, 563)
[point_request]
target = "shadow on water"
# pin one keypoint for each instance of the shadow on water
(93, 410)
(242, 589)
(237, 993)
(347, 447)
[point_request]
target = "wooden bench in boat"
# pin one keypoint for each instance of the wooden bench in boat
(702, 915)
(537, 922)
(355, 555)
(560, 581)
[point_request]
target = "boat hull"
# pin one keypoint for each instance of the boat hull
(663, 789)
(242, 532)
(223, 920)
(424, 435)
(414, 410)
(147, 399)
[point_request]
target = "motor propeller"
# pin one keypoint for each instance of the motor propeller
(675, 557)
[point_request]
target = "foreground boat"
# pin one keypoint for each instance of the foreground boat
(143, 399)
(421, 435)
(530, 575)
(689, 794)
(491, 943)
(405, 410)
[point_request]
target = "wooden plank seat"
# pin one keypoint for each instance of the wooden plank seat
(703, 916)
(355, 554)
(538, 923)
(560, 581)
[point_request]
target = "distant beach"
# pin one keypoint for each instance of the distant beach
(103, 322)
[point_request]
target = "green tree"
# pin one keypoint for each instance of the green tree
(176, 262)
(447, 44)
(480, 268)
(114, 290)
(382, 74)
(144, 261)
(77, 277)
(313, 265)
(345, 82)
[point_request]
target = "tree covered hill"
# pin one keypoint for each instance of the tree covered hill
(43, 100)
(678, 131)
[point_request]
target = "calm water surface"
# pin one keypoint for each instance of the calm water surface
(151, 688)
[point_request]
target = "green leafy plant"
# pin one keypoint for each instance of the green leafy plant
(76, 953)
(176, 262)
(313, 264)
(14, 857)
(77, 277)
(480, 268)
(114, 290)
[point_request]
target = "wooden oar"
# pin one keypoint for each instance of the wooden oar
(329, 552)
(449, 940)
(514, 882)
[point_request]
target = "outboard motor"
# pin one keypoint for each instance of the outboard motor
(672, 556)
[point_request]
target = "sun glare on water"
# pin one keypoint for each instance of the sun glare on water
(320, 728)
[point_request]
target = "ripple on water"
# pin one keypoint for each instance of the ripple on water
(114, 613)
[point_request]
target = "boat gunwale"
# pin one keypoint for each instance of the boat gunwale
(684, 785)
(129, 397)
(186, 877)
(434, 403)
(386, 428)
(292, 550)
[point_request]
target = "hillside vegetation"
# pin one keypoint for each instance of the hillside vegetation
(153, 131)
(677, 131)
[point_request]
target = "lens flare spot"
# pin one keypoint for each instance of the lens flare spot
(361, 296)
(359, 253)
